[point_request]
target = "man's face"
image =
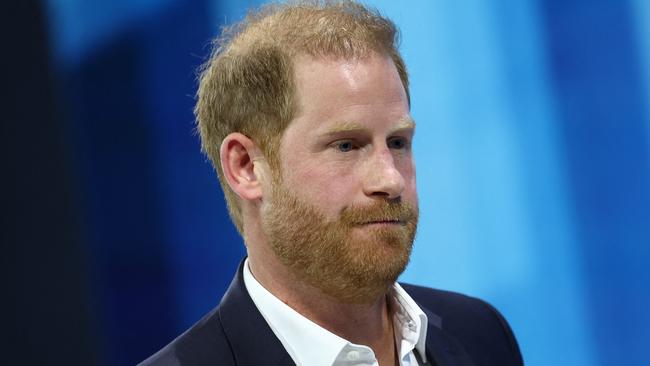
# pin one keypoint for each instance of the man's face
(342, 211)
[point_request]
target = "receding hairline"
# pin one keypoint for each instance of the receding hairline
(355, 22)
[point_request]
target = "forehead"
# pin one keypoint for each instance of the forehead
(348, 92)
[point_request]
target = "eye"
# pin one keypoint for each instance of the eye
(398, 143)
(345, 145)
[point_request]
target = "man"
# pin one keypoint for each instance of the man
(304, 112)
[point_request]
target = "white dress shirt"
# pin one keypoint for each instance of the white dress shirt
(309, 344)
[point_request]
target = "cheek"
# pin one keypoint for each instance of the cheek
(323, 185)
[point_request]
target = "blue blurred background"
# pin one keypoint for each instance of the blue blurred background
(533, 150)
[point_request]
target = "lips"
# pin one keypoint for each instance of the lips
(380, 213)
(384, 221)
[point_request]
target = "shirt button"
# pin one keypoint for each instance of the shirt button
(411, 325)
(353, 355)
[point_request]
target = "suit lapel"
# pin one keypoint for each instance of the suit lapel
(443, 349)
(252, 340)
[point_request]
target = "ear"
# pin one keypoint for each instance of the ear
(239, 154)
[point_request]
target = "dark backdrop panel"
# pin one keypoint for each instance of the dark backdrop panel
(47, 317)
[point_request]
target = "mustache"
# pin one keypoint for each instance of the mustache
(380, 211)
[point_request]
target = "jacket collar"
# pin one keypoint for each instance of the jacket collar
(443, 349)
(254, 343)
(250, 337)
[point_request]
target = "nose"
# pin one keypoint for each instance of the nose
(383, 179)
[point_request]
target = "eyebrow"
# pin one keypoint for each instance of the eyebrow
(404, 123)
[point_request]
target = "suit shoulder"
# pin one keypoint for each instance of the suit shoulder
(449, 303)
(426, 295)
(470, 319)
(205, 343)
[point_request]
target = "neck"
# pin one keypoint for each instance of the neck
(367, 324)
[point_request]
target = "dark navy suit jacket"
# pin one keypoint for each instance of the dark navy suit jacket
(462, 331)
